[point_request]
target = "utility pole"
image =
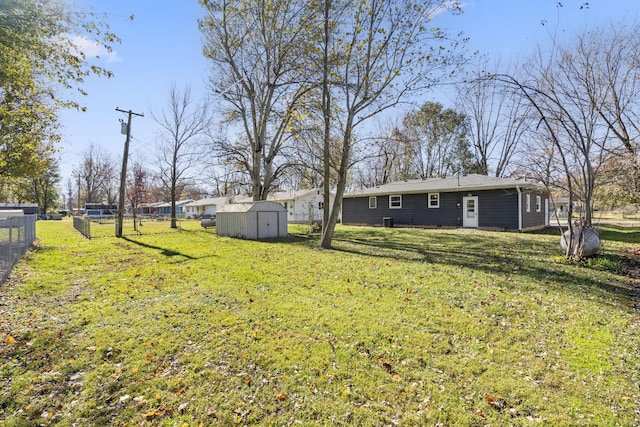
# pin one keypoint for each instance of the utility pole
(123, 174)
(78, 193)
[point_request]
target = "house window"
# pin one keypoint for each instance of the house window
(321, 205)
(395, 202)
(373, 202)
(528, 203)
(538, 204)
(434, 200)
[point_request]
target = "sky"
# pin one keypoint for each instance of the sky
(162, 46)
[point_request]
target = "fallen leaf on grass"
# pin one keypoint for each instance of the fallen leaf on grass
(152, 414)
(497, 402)
(10, 340)
(281, 396)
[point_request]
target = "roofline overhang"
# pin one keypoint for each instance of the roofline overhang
(445, 190)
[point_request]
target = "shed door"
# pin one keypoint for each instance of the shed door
(470, 214)
(267, 224)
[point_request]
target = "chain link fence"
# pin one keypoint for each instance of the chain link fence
(16, 236)
(83, 226)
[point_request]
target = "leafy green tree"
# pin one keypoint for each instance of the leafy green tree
(40, 189)
(437, 138)
(39, 61)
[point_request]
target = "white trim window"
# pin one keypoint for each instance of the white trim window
(538, 204)
(528, 203)
(433, 200)
(395, 201)
(373, 202)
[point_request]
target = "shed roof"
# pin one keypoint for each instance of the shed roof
(252, 207)
(448, 184)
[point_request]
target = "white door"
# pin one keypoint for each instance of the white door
(470, 213)
(267, 225)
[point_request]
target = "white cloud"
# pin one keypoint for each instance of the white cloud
(93, 49)
(447, 6)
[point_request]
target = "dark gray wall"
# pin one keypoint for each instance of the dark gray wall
(414, 211)
(497, 209)
(533, 218)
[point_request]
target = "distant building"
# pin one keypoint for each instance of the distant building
(303, 206)
(204, 207)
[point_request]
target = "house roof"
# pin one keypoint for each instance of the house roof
(178, 203)
(214, 201)
(444, 185)
(251, 206)
(291, 195)
(280, 196)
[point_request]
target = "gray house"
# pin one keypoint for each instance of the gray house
(471, 201)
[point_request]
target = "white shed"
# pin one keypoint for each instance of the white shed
(256, 220)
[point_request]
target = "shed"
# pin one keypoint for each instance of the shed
(256, 220)
(8, 213)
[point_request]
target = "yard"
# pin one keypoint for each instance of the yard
(393, 327)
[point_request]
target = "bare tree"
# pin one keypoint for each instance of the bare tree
(497, 119)
(178, 147)
(374, 53)
(138, 190)
(610, 61)
(95, 173)
(558, 89)
(259, 52)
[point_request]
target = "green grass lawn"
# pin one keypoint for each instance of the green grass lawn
(392, 327)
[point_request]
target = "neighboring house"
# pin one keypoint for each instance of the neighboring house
(303, 206)
(148, 208)
(164, 209)
(471, 201)
(560, 207)
(199, 208)
(100, 209)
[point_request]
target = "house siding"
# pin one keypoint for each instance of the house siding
(414, 211)
(533, 219)
(497, 209)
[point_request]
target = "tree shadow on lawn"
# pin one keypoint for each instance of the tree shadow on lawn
(619, 233)
(164, 251)
(607, 232)
(493, 256)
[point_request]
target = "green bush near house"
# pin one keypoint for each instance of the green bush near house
(392, 327)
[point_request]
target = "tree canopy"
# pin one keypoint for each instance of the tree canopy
(39, 61)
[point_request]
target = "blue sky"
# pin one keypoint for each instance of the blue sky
(162, 46)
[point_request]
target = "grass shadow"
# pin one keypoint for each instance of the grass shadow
(163, 251)
(493, 256)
